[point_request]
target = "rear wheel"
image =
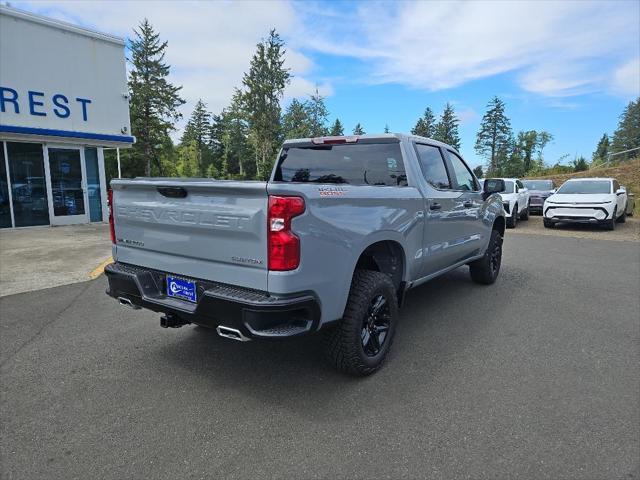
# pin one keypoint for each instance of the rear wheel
(486, 269)
(360, 342)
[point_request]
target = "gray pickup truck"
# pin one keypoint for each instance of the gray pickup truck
(342, 229)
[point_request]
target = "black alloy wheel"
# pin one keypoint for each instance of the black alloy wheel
(375, 326)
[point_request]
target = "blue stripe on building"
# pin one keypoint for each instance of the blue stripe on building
(66, 134)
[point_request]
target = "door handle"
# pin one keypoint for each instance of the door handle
(468, 204)
(435, 206)
(419, 214)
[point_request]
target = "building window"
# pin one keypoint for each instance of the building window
(5, 208)
(93, 184)
(28, 187)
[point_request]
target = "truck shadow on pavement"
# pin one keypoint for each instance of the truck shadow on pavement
(431, 325)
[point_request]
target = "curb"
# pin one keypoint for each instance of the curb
(96, 272)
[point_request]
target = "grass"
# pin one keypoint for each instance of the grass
(627, 173)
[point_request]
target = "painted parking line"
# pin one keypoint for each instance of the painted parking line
(96, 272)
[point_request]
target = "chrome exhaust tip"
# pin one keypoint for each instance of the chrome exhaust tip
(127, 303)
(231, 333)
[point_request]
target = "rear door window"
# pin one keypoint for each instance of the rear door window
(433, 167)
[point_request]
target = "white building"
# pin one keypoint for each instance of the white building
(63, 99)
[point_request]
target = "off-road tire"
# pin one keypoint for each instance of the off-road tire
(343, 342)
(485, 270)
(547, 223)
(512, 221)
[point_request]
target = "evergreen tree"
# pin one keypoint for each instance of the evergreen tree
(446, 129)
(627, 135)
(580, 164)
(154, 101)
(478, 171)
(337, 129)
(215, 147)
(494, 135)
(295, 121)
(198, 130)
(602, 150)
(358, 130)
(187, 164)
(317, 113)
(426, 125)
(235, 146)
(264, 87)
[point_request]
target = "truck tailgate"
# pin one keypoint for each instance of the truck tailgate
(198, 228)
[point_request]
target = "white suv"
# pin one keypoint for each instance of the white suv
(587, 200)
(515, 200)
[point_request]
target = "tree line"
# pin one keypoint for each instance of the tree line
(242, 140)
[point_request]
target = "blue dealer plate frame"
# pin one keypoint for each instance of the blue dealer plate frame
(181, 288)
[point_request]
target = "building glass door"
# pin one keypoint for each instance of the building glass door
(93, 184)
(68, 180)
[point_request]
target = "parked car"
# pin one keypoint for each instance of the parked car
(539, 191)
(587, 200)
(515, 200)
(631, 202)
(343, 228)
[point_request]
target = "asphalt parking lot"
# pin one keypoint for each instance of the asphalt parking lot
(534, 377)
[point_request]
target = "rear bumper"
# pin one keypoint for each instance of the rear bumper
(254, 313)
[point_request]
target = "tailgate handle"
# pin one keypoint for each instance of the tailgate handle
(172, 192)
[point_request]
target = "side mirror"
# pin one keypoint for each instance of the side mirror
(553, 190)
(620, 191)
(491, 186)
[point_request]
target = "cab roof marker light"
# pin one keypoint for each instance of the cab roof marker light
(334, 140)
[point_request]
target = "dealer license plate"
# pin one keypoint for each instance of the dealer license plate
(181, 288)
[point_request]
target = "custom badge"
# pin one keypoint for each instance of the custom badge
(332, 191)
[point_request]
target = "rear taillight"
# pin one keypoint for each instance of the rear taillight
(283, 244)
(112, 229)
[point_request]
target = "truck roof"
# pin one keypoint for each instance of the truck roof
(369, 138)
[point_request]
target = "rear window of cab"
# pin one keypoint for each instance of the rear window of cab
(377, 164)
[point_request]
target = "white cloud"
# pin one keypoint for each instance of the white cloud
(210, 43)
(467, 115)
(626, 79)
(557, 48)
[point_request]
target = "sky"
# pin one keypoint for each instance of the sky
(569, 67)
